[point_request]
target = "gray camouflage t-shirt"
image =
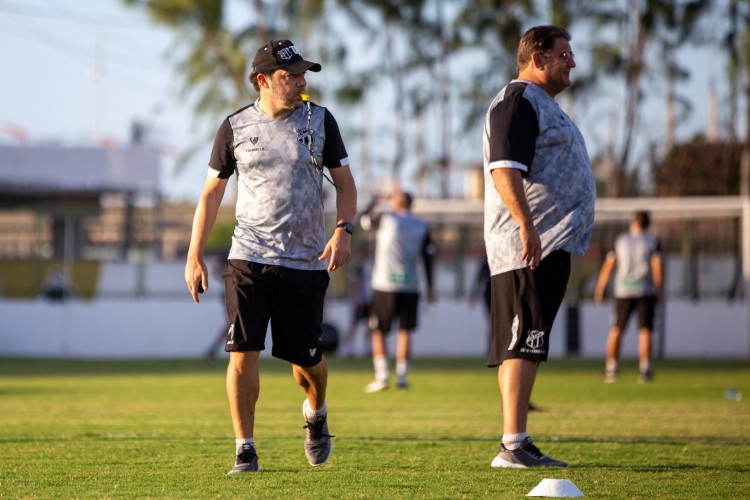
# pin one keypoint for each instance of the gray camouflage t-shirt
(525, 129)
(633, 277)
(400, 240)
(279, 210)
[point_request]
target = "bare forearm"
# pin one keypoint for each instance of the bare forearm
(509, 185)
(346, 196)
(203, 222)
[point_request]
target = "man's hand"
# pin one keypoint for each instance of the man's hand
(338, 248)
(196, 277)
(532, 246)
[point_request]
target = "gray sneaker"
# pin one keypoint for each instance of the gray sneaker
(527, 455)
(245, 461)
(318, 443)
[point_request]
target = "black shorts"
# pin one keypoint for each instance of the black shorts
(361, 312)
(389, 305)
(524, 306)
(625, 307)
(291, 299)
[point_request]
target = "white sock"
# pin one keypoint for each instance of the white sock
(611, 367)
(239, 442)
(513, 441)
(402, 368)
(311, 414)
(645, 366)
(381, 367)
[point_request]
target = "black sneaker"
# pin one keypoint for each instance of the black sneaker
(527, 455)
(318, 443)
(645, 376)
(246, 460)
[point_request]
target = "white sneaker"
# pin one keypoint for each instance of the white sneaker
(376, 386)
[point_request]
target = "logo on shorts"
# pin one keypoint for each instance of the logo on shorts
(535, 339)
(514, 331)
(254, 140)
(230, 335)
(312, 351)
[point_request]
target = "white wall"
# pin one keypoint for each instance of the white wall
(133, 328)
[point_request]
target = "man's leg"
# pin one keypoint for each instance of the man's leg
(380, 363)
(314, 381)
(243, 387)
(516, 380)
(403, 354)
(613, 354)
(644, 355)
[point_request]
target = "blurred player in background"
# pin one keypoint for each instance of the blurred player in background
(639, 283)
(400, 240)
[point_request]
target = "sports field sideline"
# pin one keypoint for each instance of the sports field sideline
(161, 429)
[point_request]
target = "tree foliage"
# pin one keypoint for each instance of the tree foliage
(700, 168)
(433, 65)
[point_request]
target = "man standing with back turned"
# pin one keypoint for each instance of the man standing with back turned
(539, 208)
(401, 239)
(277, 266)
(638, 287)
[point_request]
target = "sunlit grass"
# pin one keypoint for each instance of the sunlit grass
(161, 429)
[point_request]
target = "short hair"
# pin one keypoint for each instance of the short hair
(254, 81)
(643, 219)
(254, 78)
(538, 39)
(403, 199)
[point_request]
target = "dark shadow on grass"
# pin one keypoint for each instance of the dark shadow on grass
(31, 367)
(706, 440)
(658, 469)
(658, 440)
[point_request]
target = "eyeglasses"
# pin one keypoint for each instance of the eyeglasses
(566, 56)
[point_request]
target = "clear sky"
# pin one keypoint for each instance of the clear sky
(78, 71)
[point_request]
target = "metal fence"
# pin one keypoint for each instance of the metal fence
(139, 250)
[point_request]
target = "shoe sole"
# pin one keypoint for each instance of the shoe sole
(233, 472)
(499, 463)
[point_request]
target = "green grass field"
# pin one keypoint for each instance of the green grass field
(161, 429)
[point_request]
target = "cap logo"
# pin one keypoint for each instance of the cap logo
(288, 52)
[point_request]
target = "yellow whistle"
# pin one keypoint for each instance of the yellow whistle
(305, 97)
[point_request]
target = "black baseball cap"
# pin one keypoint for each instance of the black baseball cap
(281, 54)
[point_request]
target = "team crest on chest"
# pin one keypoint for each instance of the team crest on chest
(305, 136)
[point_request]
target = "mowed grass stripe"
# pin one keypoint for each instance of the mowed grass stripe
(161, 429)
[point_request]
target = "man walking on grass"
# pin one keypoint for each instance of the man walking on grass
(279, 261)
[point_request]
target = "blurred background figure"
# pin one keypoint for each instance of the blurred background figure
(217, 345)
(57, 286)
(360, 294)
(638, 287)
(482, 288)
(401, 239)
